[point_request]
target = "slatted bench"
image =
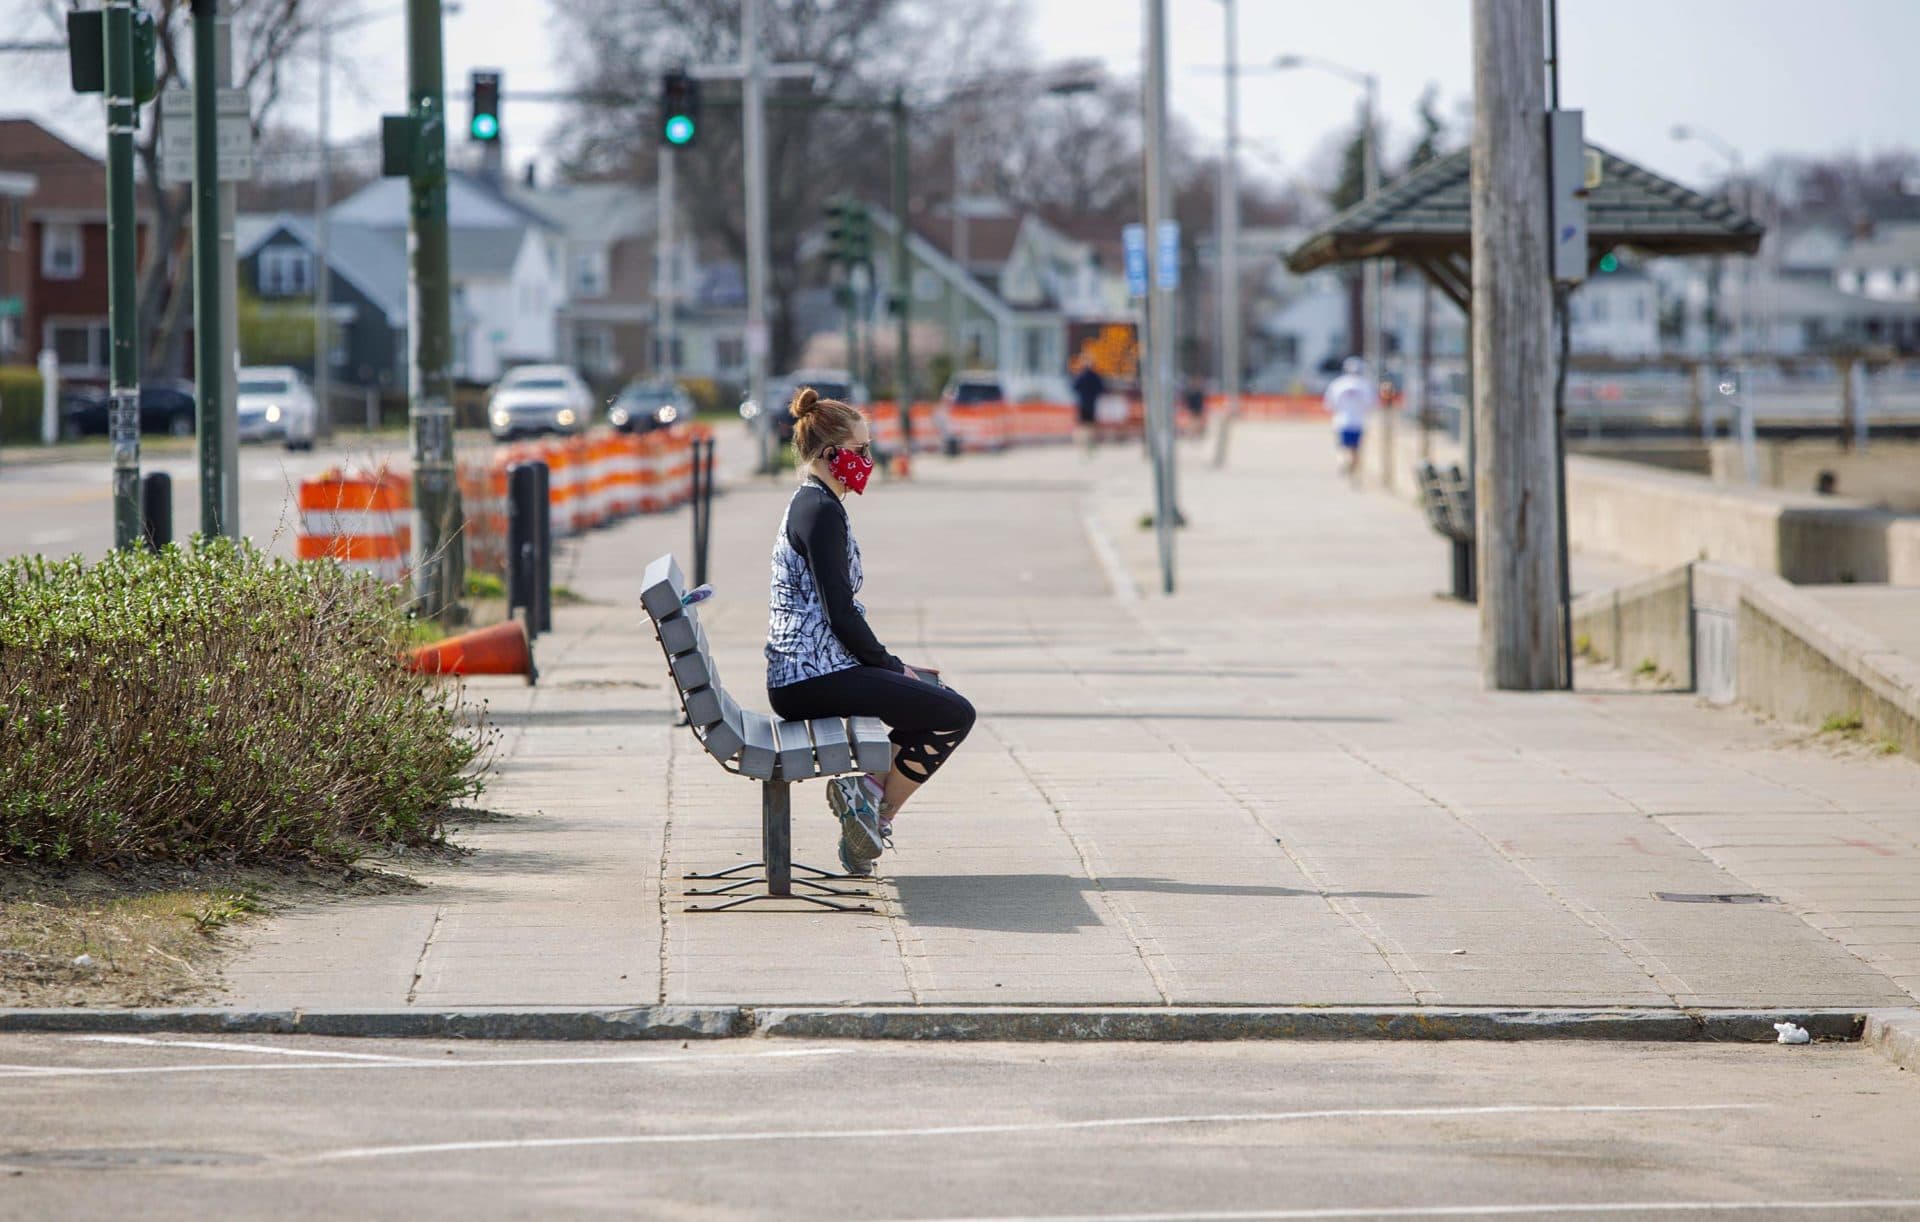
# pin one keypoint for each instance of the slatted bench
(776, 753)
(1448, 500)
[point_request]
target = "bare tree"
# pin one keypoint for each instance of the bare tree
(267, 37)
(858, 48)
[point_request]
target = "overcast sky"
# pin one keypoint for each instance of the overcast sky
(1769, 76)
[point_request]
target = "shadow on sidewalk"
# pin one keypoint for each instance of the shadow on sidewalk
(1060, 903)
(582, 717)
(1160, 715)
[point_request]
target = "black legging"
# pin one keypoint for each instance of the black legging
(928, 722)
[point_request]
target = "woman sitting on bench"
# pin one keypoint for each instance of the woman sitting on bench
(823, 659)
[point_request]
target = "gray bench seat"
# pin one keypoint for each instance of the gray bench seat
(751, 744)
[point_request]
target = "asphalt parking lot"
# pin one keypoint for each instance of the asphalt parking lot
(211, 1126)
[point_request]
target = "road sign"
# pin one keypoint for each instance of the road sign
(1169, 253)
(1133, 243)
(176, 136)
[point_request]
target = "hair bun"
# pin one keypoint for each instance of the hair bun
(804, 401)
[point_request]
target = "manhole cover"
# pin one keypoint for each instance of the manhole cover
(115, 1159)
(1714, 897)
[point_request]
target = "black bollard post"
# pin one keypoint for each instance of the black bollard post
(542, 548)
(156, 509)
(705, 508)
(522, 539)
(694, 515)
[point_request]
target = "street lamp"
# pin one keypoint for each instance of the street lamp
(1062, 80)
(1743, 340)
(1370, 185)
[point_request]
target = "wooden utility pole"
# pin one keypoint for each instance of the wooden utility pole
(1519, 574)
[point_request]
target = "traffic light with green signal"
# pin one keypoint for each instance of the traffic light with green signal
(679, 109)
(849, 231)
(484, 126)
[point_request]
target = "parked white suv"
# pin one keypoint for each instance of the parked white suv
(275, 402)
(539, 399)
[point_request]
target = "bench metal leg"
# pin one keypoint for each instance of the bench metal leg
(1463, 571)
(777, 865)
(776, 835)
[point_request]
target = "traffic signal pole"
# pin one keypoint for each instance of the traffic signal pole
(902, 282)
(209, 348)
(122, 257)
(439, 570)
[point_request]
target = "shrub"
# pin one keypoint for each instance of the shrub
(20, 391)
(211, 701)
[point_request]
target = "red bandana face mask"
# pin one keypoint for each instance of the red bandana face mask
(851, 469)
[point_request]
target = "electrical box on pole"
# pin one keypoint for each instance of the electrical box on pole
(679, 109)
(483, 123)
(1567, 169)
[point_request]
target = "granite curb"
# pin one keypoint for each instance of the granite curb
(1895, 1034)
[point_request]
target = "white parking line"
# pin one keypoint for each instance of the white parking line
(57, 1071)
(1451, 1211)
(977, 1130)
(265, 1049)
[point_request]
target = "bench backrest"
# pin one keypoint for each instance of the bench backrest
(750, 743)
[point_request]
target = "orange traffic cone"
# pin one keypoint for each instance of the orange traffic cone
(500, 650)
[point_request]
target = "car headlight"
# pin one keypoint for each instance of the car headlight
(273, 413)
(501, 419)
(667, 414)
(565, 417)
(749, 409)
(618, 416)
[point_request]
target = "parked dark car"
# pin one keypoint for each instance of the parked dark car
(648, 405)
(165, 407)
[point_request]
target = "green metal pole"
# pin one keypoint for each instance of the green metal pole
(902, 282)
(209, 357)
(122, 254)
(439, 572)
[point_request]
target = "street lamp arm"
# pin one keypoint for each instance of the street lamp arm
(1366, 80)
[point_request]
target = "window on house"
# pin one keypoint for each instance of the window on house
(977, 344)
(593, 349)
(1036, 351)
(285, 271)
(60, 251)
(10, 221)
(661, 360)
(590, 273)
(1599, 309)
(730, 353)
(80, 347)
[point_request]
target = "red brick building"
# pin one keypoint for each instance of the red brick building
(53, 251)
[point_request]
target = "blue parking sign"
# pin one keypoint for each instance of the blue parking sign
(1169, 269)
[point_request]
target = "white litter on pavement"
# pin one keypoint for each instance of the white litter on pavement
(1792, 1033)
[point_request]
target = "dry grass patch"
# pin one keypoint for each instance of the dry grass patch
(149, 937)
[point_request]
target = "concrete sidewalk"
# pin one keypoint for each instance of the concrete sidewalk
(1284, 786)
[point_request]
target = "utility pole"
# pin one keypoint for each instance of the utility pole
(210, 349)
(122, 256)
(1160, 293)
(753, 102)
(1371, 346)
(1512, 355)
(902, 281)
(322, 242)
(1229, 259)
(664, 294)
(439, 572)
